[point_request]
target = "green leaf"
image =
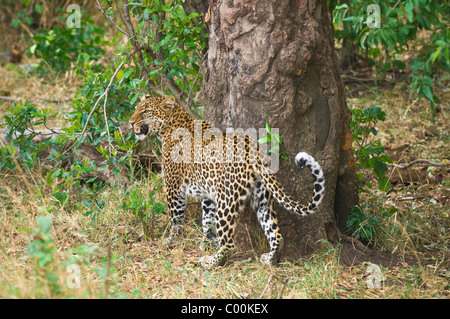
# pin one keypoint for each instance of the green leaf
(362, 41)
(409, 8)
(87, 203)
(193, 15)
(61, 197)
(399, 64)
(159, 208)
(265, 139)
(119, 74)
(384, 184)
(171, 73)
(277, 137)
(90, 180)
(375, 112)
(33, 49)
(426, 90)
(44, 223)
(379, 168)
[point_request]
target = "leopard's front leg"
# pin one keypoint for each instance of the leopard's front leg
(177, 208)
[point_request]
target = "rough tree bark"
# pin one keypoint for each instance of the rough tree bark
(273, 61)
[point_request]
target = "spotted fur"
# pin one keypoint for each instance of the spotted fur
(225, 188)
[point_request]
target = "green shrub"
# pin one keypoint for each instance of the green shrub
(367, 222)
(144, 206)
(43, 249)
(177, 40)
(21, 123)
(400, 23)
(60, 47)
(369, 152)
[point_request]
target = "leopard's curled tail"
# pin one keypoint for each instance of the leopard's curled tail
(301, 159)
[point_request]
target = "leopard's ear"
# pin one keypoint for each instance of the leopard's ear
(168, 103)
(145, 96)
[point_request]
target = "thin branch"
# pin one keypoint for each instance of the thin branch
(131, 36)
(23, 25)
(105, 94)
(127, 19)
(52, 130)
(104, 105)
(284, 283)
(188, 104)
(111, 20)
(418, 162)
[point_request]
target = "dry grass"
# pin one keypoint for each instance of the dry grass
(148, 269)
(421, 194)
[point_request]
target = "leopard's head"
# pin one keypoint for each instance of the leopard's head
(150, 115)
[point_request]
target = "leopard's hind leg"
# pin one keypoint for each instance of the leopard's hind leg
(229, 205)
(263, 205)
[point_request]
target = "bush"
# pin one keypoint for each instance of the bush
(60, 47)
(400, 23)
(21, 122)
(369, 152)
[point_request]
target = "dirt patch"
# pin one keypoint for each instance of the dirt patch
(354, 252)
(413, 175)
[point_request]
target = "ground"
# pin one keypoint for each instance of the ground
(115, 257)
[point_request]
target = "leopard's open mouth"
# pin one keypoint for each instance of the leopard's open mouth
(143, 131)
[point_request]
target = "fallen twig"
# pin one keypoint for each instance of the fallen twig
(16, 99)
(265, 288)
(419, 162)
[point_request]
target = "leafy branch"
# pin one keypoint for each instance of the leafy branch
(151, 43)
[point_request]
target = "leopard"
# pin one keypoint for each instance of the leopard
(225, 187)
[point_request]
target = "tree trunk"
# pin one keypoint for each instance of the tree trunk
(273, 61)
